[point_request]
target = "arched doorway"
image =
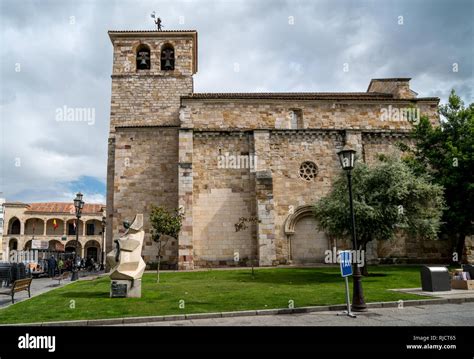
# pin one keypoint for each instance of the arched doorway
(13, 244)
(92, 250)
(27, 245)
(92, 253)
(307, 243)
(70, 247)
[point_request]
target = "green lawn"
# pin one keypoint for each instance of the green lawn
(211, 291)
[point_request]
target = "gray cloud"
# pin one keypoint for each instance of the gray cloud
(68, 63)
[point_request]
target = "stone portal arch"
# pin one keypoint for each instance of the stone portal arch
(307, 243)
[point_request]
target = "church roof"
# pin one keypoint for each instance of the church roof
(59, 207)
(302, 96)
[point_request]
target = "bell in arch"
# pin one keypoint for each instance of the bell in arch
(143, 59)
(167, 59)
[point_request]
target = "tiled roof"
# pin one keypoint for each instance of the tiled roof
(63, 207)
(391, 79)
(302, 96)
(152, 31)
(289, 95)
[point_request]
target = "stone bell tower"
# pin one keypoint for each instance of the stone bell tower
(151, 71)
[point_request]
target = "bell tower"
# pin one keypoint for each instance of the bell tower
(151, 71)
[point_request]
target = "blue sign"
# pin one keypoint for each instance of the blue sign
(346, 263)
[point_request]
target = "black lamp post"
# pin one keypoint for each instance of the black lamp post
(104, 223)
(347, 159)
(78, 204)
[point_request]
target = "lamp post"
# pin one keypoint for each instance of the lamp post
(79, 205)
(104, 222)
(347, 159)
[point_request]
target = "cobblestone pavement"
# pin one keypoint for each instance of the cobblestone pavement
(423, 315)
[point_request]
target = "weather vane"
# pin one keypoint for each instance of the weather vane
(157, 21)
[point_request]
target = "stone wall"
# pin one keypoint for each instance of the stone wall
(279, 189)
(399, 88)
(146, 174)
(223, 191)
(147, 100)
(289, 149)
(367, 115)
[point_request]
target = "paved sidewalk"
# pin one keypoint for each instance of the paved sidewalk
(423, 315)
(453, 293)
(40, 286)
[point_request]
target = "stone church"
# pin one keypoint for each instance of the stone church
(222, 156)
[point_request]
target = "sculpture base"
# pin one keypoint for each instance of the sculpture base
(126, 288)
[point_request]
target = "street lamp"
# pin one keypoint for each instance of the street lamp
(104, 223)
(79, 205)
(347, 159)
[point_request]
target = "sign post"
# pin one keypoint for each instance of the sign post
(346, 271)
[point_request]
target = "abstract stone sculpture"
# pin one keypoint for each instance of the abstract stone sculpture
(126, 263)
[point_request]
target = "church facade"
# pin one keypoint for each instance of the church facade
(220, 157)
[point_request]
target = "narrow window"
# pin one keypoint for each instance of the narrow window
(90, 229)
(296, 119)
(71, 230)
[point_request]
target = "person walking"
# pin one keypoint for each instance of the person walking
(52, 266)
(60, 266)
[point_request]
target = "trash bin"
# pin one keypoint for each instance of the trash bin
(435, 279)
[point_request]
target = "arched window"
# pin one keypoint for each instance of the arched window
(143, 57)
(167, 57)
(14, 226)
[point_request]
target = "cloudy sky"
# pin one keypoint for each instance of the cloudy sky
(56, 53)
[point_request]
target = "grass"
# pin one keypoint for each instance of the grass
(211, 291)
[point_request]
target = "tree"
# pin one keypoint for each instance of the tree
(164, 223)
(388, 197)
(240, 226)
(446, 153)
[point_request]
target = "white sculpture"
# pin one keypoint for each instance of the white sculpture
(126, 262)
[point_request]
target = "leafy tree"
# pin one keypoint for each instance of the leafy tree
(446, 153)
(388, 197)
(164, 224)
